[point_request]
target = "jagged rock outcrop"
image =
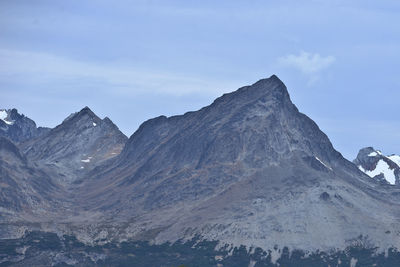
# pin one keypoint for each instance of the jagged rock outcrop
(385, 169)
(18, 127)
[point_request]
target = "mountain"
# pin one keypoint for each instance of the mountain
(78, 144)
(249, 169)
(383, 168)
(18, 127)
(246, 181)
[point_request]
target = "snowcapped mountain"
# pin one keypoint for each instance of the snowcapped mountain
(17, 127)
(383, 168)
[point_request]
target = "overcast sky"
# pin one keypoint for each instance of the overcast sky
(134, 60)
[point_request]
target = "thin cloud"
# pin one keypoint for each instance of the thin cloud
(42, 68)
(307, 63)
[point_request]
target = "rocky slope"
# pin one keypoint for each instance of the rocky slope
(25, 189)
(18, 127)
(385, 169)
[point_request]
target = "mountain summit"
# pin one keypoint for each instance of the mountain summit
(17, 127)
(385, 169)
(249, 169)
(78, 144)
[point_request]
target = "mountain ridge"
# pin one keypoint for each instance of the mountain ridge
(76, 145)
(247, 170)
(17, 127)
(244, 150)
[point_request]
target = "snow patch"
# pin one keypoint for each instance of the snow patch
(3, 117)
(395, 159)
(275, 255)
(373, 154)
(3, 114)
(323, 163)
(86, 160)
(94, 124)
(384, 168)
(353, 262)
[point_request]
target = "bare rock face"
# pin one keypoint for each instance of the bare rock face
(385, 169)
(238, 135)
(81, 142)
(17, 127)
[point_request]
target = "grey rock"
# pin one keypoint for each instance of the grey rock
(77, 145)
(25, 189)
(19, 127)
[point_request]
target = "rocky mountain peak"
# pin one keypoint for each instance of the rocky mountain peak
(252, 118)
(17, 127)
(79, 143)
(86, 111)
(271, 91)
(84, 114)
(247, 134)
(274, 85)
(14, 115)
(385, 169)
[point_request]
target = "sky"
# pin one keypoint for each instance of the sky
(135, 60)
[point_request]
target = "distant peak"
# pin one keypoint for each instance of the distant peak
(13, 110)
(272, 86)
(368, 149)
(5, 116)
(272, 78)
(85, 112)
(108, 121)
(86, 109)
(378, 166)
(275, 78)
(271, 82)
(365, 153)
